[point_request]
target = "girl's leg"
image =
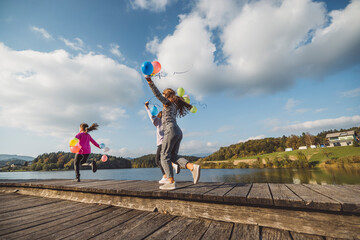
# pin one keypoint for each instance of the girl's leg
(157, 160)
(84, 159)
(78, 158)
(170, 138)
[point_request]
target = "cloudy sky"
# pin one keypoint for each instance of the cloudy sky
(254, 69)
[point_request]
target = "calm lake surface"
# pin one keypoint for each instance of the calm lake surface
(312, 176)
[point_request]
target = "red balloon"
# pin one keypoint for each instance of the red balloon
(75, 149)
(157, 67)
(104, 158)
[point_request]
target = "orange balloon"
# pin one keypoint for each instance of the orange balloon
(75, 149)
(157, 67)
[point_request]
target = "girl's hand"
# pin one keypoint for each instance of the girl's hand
(148, 78)
(147, 104)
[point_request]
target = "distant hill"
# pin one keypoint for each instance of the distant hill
(11, 157)
(270, 145)
(8, 159)
(148, 161)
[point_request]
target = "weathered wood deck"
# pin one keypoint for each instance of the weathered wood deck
(138, 210)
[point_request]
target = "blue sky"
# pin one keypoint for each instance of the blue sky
(254, 69)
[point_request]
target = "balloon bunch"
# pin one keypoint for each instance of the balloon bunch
(181, 93)
(74, 145)
(104, 158)
(151, 68)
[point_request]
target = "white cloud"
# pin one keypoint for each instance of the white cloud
(225, 128)
(253, 138)
(319, 110)
(302, 110)
(42, 31)
(51, 93)
(323, 124)
(194, 147)
(265, 45)
(114, 49)
(77, 44)
(151, 5)
(351, 93)
(153, 45)
(290, 104)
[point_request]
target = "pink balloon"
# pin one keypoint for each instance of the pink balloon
(104, 158)
(157, 67)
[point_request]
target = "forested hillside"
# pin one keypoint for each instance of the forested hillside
(148, 161)
(65, 160)
(270, 145)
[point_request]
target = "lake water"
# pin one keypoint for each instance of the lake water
(312, 176)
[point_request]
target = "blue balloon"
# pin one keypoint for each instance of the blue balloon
(154, 111)
(102, 145)
(147, 68)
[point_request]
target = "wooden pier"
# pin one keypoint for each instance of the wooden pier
(111, 209)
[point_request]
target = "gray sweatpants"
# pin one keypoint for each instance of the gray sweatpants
(170, 148)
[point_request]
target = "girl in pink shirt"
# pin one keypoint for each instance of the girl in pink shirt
(85, 150)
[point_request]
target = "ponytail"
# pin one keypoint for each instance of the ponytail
(182, 107)
(87, 129)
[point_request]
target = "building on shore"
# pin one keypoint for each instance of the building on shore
(342, 138)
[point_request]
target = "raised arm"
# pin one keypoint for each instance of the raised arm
(156, 92)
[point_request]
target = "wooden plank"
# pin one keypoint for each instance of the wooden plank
(314, 200)
(352, 187)
(217, 194)
(218, 230)
(89, 225)
(194, 231)
(350, 200)
(31, 210)
(52, 220)
(284, 197)
(148, 227)
(29, 203)
(193, 192)
(245, 232)
(95, 227)
(275, 234)
(45, 213)
(139, 219)
(302, 236)
(238, 194)
(260, 195)
(164, 193)
(171, 229)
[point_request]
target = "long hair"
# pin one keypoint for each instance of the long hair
(87, 129)
(182, 107)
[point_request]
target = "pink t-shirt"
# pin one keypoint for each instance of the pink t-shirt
(84, 141)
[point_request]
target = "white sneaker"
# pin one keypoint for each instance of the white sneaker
(168, 186)
(163, 180)
(176, 168)
(196, 173)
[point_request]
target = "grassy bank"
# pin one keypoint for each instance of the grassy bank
(343, 157)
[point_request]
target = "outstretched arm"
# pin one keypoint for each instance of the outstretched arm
(156, 92)
(94, 142)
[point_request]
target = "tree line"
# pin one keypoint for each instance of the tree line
(148, 161)
(270, 145)
(65, 161)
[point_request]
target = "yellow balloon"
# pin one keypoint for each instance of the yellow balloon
(180, 92)
(73, 142)
(193, 109)
(186, 99)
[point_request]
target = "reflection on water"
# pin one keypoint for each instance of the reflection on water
(297, 176)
